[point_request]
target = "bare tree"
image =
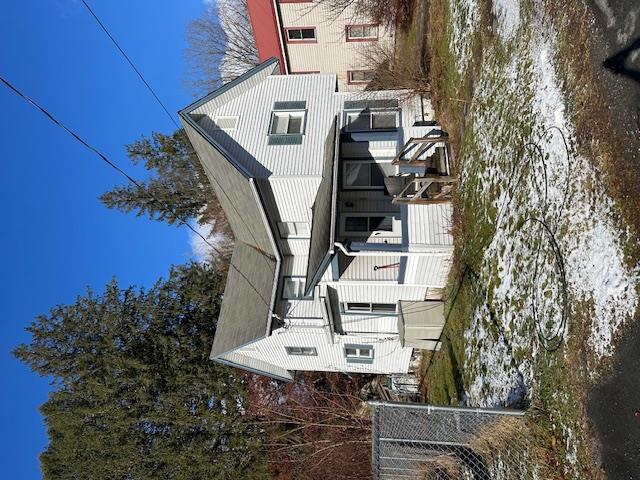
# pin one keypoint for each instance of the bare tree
(395, 69)
(315, 428)
(221, 45)
(388, 13)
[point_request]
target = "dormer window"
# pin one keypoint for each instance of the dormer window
(288, 123)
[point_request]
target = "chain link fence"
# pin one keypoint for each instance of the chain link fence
(448, 443)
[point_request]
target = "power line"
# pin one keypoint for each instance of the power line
(128, 177)
(135, 69)
(157, 99)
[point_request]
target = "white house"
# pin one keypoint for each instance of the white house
(308, 36)
(329, 271)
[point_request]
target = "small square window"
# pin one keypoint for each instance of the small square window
(358, 353)
(287, 123)
(302, 351)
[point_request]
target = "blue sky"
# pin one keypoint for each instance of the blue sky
(57, 238)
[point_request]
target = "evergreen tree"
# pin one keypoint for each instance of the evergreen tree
(135, 394)
(178, 188)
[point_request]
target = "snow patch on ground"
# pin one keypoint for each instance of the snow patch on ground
(465, 16)
(550, 211)
(592, 248)
(571, 445)
(507, 13)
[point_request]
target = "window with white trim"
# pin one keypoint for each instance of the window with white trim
(287, 123)
(371, 120)
(369, 307)
(365, 174)
(358, 353)
(362, 32)
(293, 289)
(225, 123)
(302, 351)
(365, 225)
(293, 229)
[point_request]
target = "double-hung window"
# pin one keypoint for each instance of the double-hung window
(358, 353)
(302, 351)
(371, 120)
(300, 34)
(293, 289)
(362, 33)
(367, 307)
(365, 174)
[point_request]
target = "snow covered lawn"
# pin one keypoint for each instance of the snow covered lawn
(543, 242)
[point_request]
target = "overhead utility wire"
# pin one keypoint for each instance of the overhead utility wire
(157, 98)
(104, 28)
(126, 175)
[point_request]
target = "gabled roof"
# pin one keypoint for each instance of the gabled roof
(249, 296)
(323, 221)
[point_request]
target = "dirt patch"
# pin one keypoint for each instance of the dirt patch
(612, 408)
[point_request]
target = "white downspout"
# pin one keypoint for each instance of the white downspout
(386, 253)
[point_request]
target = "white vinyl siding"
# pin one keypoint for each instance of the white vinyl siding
(293, 289)
(293, 229)
(249, 146)
(225, 123)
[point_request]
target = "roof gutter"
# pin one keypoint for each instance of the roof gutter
(276, 251)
